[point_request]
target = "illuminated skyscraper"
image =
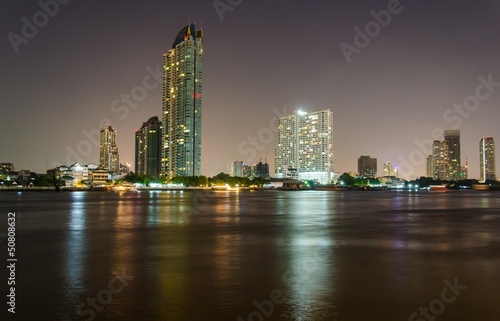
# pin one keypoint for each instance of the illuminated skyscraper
(487, 159)
(109, 157)
(440, 160)
(305, 143)
(452, 138)
(182, 96)
(148, 148)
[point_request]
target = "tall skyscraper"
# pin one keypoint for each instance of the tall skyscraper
(440, 160)
(367, 166)
(487, 159)
(182, 96)
(305, 143)
(109, 157)
(452, 138)
(148, 148)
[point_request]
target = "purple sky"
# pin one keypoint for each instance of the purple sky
(280, 55)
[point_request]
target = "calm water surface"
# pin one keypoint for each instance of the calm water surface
(219, 255)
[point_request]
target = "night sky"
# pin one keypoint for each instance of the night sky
(264, 55)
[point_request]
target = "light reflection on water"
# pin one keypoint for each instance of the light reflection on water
(209, 256)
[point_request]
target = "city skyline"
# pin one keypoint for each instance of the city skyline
(397, 91)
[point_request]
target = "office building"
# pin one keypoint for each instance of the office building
(182, 97)
(148, 148)
(109, 157)
(367, 166)
(487, 159)
(452, 138)
(305, 144)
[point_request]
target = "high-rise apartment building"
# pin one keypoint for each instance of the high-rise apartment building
(148, 148)
(452, 138)
(182, 96)
(108, 155)
(305, 143)
(367, 166)
(440, 160)
(237, 169)
(487, 159)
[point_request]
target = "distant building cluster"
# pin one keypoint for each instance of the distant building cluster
(445, 161)
(240, 169)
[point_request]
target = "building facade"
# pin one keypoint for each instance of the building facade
(305, 143)
(487, 159)
(182, 98)
(109, 157)
(390, 170)
(148, 148)
(440, 160)
(261, 170)
(367, 166)
(452, 138)
(237, 169)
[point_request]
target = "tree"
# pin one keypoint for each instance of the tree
(346, 180)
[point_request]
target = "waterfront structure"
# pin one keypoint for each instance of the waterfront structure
(182, 102)
(79, 172)
(305, 143)
(367, 166)
(237, 169)
(148, 148)
(440, 160)
(109, 157)
(487, 159)
(452, 138)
